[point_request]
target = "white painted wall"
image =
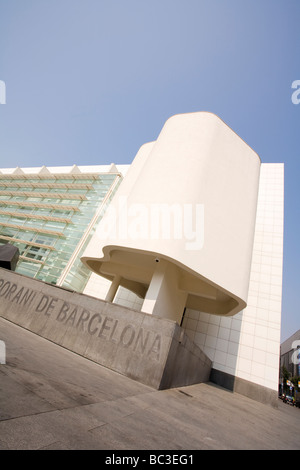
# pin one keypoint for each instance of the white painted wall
(196, 160)
(247, 345)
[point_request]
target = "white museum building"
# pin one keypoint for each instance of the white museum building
(191, 231)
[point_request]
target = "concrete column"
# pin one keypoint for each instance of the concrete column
(163, 297)
(113, 289)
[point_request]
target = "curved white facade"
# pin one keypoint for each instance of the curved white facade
(179, 231)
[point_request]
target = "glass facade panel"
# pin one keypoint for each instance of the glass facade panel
(65, 243)
(28, 269)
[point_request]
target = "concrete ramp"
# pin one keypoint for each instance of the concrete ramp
(144, 347)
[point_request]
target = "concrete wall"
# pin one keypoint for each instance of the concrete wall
(143, 347)
(245, 387)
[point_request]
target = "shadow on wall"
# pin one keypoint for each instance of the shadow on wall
(223, 379)
(219, 338)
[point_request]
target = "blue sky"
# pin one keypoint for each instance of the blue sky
(90, 81)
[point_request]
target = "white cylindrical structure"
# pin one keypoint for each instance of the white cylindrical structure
(189, 199)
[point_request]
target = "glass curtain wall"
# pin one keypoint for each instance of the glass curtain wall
(46, 218)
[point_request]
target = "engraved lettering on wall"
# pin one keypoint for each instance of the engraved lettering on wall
(104, 327)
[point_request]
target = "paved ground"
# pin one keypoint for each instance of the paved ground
(51, 398)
